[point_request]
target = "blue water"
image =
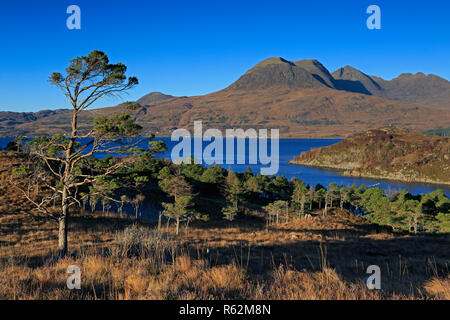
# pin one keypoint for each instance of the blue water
(290, 148)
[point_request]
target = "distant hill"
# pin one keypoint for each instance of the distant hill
(153, 97)
(389, 152)
(9, 121)
(301, 98)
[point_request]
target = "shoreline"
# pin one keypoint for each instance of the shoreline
(346, 173)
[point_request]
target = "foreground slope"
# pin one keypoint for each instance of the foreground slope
(388, 152)
(316, 258)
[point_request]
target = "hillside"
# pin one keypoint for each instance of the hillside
(11, 120)
(388, 152)
(319, 257)
(300, 98)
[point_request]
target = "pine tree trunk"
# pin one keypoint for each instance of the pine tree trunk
(62, 232)
(159, 222)
(178, 224)
(415, 223)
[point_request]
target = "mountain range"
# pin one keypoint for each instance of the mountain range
(301, 98)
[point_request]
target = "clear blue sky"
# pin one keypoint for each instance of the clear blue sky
(188, 47)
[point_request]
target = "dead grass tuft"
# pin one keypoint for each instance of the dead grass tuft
(438, 287)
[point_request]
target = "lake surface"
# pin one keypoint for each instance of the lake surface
(290, 148)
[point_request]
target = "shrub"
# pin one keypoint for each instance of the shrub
(139, 241)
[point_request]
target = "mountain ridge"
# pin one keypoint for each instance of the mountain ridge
(418, 88)
(301, 98)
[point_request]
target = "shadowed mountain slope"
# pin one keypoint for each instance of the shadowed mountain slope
(353, 80)
(318, 71)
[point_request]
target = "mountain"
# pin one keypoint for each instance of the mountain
(388, 152)
(418, 88)
(300, 98)
(353, 80)
(429, 90)
(277, 72)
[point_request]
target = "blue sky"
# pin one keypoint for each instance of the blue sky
(189, 47)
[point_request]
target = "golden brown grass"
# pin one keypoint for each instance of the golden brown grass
(109, 278)
(439, 288)
(305, 259)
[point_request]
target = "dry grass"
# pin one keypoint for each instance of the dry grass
(302, 260)
(111, 278)
(439, 288)
(326, 284)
